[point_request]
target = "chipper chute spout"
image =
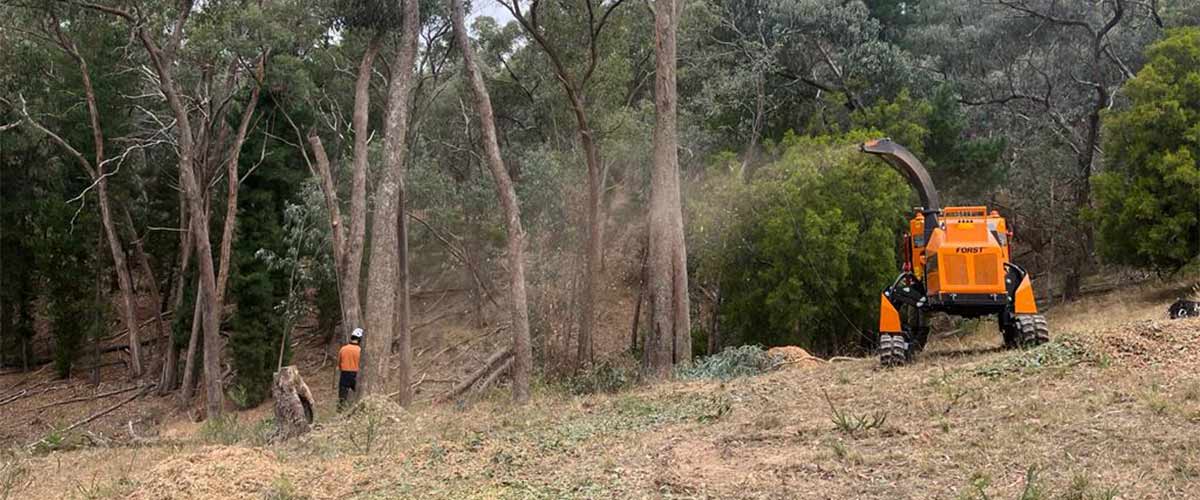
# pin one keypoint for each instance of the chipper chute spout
(912, 170)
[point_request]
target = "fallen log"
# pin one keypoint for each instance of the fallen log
(494, 375)
(494, 361)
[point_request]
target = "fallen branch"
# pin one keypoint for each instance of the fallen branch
(418, 293)
(489, 366)
(15, 397)
(25, 380)
(410, 386)
(435, 319)
(446, 312)
(88, 398)
(110, 409)
(101, 413)
(124, 331)
(125, 347)
(25, 393)
(135, 437)
(494, 375)
(102, 365)
(463, 343)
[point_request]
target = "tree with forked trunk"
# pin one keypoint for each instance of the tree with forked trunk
(193, 143)
(387, 272)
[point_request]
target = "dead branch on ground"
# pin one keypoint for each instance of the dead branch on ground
(88, 398)
(493, 363)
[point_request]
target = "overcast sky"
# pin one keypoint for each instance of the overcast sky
(490, 8)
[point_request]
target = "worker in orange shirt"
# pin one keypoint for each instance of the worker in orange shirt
(348, 357)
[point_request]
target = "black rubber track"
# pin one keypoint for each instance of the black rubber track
(1031, 330)
(893, 350)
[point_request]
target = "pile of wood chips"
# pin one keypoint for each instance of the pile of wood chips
(790, 356)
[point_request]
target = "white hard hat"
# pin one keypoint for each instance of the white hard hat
(357, 333)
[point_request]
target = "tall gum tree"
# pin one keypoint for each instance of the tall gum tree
(575, 85)
(193, 148)
(518, 307)
(669, 342)
(387, 276)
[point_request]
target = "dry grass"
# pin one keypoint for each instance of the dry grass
(1108, 410)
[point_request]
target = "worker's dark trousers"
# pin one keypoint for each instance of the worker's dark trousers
(347, 383)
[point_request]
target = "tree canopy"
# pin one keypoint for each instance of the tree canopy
(1148, 196)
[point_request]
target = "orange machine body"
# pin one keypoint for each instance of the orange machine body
(956, 260)
(965, 255)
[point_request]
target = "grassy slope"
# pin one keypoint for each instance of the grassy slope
(1110, 409)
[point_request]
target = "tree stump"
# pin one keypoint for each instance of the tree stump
(293, 404)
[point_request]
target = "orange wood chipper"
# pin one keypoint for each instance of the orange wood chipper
(956, 260)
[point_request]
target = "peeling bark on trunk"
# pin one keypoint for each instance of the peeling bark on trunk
(669, 342)
(519, 309)
(384, 273)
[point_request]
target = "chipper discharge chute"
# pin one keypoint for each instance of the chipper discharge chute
(957, 260)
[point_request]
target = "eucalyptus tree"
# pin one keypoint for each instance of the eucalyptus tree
(226, 51)
(571, 35)
(518, 307)
(670, 340)
(783, 65)
(388, 276)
